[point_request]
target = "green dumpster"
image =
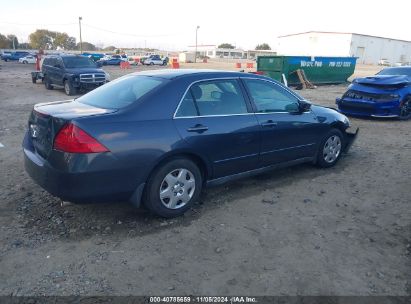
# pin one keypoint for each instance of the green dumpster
(319, 70)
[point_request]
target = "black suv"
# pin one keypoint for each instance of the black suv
(73, 72)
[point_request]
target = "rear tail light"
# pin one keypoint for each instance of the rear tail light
(72, 139)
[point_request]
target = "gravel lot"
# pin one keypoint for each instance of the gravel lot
(302, 230)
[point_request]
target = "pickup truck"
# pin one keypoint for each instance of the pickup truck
(72, 72)
(15, 56)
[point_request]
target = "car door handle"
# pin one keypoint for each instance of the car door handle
(198, 129)
(269, 123)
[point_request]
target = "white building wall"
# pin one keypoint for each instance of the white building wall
(315, 44)
(371, 49)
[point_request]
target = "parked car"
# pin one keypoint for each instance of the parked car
(27, 59)
(15, 56)
(387, 94)
(5, 54)
(159, 137)
(94, 56)
(155, 60)
(384, 62)
(72, 72)
(112, 61)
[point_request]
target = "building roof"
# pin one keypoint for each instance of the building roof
(341, 33)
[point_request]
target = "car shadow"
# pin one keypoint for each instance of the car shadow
(44, 218)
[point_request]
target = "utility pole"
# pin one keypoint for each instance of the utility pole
(81, 41)
(195, 55)
(14, 46)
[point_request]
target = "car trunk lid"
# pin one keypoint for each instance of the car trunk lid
(47, 119)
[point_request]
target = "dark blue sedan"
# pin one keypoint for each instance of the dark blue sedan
(159, 137)
(112, 61)
(387, 94)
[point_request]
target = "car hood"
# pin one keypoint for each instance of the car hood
(384, 80)
(84, 70)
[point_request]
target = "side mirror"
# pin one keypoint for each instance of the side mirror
(304, 106)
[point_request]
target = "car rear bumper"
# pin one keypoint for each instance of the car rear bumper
(368, 109)
(82, 185)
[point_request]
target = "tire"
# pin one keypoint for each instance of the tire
(68, 88)
(25, 62)
(33, 79)
(330, 149)
(47, 83)
(405, 110)
(167, 200)
(151, 63)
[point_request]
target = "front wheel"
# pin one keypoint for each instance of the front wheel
(405, 109)
(68, 88)
(25, 62)
(173, 188)
(330, 149)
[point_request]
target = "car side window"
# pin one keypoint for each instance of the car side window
(187, 107)
(269, 97)
(218, 97)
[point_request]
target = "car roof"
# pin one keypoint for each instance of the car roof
(179, 73)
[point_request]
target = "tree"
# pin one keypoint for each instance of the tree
(263, 46)
(226, 46)
(109, 48)
(4, 42)
(24, 46)
(49, 40)
(62, 40)
(86, 46)
(41, 39)
(13, 41)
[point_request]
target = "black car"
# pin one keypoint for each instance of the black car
(159, 137)
(72, 72)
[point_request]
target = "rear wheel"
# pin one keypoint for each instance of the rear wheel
(47, 83)
(25, 62)
(330, 149)
(68, 88)
(173, 188)
(405, 109)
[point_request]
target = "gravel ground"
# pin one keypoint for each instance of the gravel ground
(301, 230)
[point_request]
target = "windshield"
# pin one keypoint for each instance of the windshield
(78, 62)
(395, 71)
(120, 92)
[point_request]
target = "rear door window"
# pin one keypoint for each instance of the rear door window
(217, 97)
(269, 97)
(121, 92)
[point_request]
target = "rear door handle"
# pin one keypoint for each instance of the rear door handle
(198, 129)
(269, 124)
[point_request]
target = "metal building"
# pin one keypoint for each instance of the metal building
(368, 49)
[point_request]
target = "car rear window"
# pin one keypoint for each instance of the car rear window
(120, 92)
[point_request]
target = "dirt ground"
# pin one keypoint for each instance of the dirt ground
(302, 230)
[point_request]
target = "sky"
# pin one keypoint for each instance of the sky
(172, 25)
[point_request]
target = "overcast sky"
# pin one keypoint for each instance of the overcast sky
(171, 24)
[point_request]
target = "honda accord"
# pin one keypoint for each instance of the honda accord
(159, 137)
